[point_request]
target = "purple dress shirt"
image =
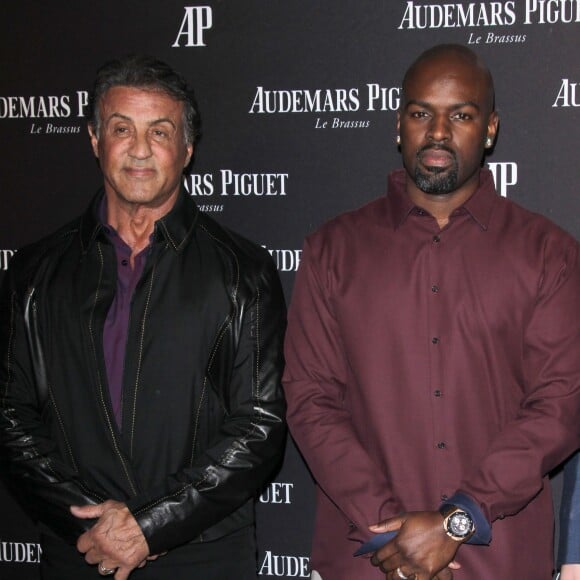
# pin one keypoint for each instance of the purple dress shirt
(116, 326)
(425, 362)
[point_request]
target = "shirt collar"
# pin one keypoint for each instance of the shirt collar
(175, 227)
(479, 206)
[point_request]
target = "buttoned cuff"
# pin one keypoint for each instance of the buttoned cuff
(482, 533)
(375, 543)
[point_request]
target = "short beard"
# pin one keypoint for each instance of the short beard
(438, 182)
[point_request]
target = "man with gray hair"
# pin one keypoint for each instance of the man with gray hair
(141, 409)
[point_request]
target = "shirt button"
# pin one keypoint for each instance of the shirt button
(435, 340)
(435, 288)
(124, 261)
(438, 393)
(436, 239)
(441, 445)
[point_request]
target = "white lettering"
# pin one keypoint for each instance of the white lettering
(51, 106)
(566, 95)
(504, 175)
(293, 566)
(253, 183)
(387, 99)
(552, 11)
(61, 129)
(438, 15)
(20, 553)
(5, 256)
(277, 492)
(197, 19)
(82, 102)
(305, 101)
(199, 184)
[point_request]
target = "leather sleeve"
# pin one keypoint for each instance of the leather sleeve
(250, 443)
(31, 466)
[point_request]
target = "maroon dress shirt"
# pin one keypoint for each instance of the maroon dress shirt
(422, 362)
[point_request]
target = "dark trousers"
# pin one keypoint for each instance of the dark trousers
(232, 557)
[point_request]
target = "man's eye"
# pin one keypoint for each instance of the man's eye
(159, 134)
(120, 130)
(418, 114)
(462, 116)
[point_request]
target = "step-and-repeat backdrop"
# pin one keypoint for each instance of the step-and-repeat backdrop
(298, 100)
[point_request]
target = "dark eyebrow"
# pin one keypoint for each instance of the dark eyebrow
(163, 120)
(454, 107)
(118, 116)
(154, 122)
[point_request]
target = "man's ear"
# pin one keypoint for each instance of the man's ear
(189, 148)
(492, 125)
(94, 140)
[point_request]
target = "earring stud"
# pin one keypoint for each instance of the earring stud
(488, 142)
(398, 139)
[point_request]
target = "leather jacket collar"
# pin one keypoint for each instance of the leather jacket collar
(174, 227)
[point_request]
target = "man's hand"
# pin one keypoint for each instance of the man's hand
(570, 572)
(420, 551)
(115, 542)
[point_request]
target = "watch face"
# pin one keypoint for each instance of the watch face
(460, 524)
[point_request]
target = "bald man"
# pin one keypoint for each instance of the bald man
(433, 377)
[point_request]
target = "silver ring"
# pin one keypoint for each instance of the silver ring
(106, 571)
(401, 575)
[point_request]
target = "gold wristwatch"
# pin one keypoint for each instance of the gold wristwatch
(457, 523)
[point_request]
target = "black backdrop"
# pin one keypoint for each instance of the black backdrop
(298, 101)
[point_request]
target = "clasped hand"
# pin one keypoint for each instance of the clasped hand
(116, 541)
(421, 550)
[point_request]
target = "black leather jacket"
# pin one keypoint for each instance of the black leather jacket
(203, 411)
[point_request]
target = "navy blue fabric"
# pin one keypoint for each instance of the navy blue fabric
(569, 545)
